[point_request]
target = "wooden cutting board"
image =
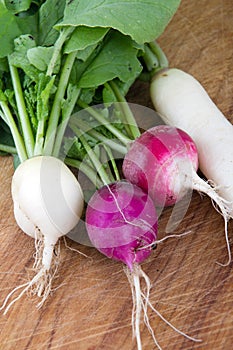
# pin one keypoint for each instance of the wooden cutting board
(91, 309)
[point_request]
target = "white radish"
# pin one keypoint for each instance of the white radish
(181, 101)
(48, 202)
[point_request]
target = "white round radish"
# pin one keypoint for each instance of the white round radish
(48, 202)
(182, 102)
(48, 195)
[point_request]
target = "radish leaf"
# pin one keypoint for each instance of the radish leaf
(143, 20)
(84, 37)
(118, 58)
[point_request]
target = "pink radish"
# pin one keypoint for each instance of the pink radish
(164, 161)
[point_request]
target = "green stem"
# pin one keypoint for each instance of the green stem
(23, 115)
(38, 150)
(162, 58)
(86, 128)
(113, 163)
(18, 140)
(56, 108)
(100, 118)
(64, 33)
(126, 110)
(150, 59)
(65, 119)
(86, 170)
(121, 115)
(94, 159)
(8, 149)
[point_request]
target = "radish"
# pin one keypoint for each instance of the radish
(121, 222)
(164, 161)
(48, 203)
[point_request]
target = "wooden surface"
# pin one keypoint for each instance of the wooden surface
(92, 308)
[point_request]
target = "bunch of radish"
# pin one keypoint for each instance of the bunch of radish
(159, 166)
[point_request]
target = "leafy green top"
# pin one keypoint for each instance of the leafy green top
(58, 56)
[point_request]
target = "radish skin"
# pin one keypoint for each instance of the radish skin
(162, 161)
(48, 202)
(181, 101)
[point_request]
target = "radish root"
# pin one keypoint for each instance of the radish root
(141, 303)
(221, 205)
(41, 283)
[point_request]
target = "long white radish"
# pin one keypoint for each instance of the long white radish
(48, 202)
(181, 101)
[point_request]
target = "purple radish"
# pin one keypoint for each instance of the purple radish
(121, 222)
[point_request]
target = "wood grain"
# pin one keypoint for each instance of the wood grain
(91, 309)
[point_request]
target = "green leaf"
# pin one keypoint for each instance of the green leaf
(73, 148)
(3, 64)
(143, 20)
(50, 13)
(16, 6)
(83, 55)
(2, 96)
(19, 57)
(28, 25)
(46, 88)
(9, 30)
(40, 57)
(83, 37)
(87, 95)
(117, 59)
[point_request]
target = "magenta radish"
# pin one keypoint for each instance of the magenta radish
(121, 222)
(48, 203)
(164, 161)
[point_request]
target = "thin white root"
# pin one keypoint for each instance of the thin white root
(73, 249)
(165, 238)
(41, 283)
(222, 206)
(141, 302)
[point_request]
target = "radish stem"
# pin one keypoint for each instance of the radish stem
(113, 144)
(86, 169)
(101, 119)
(18, 140)
(56, 108)
(126, 110)
(64, 33)
(94, 159)
(65, 119)
(23, 115)
(8, 149)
